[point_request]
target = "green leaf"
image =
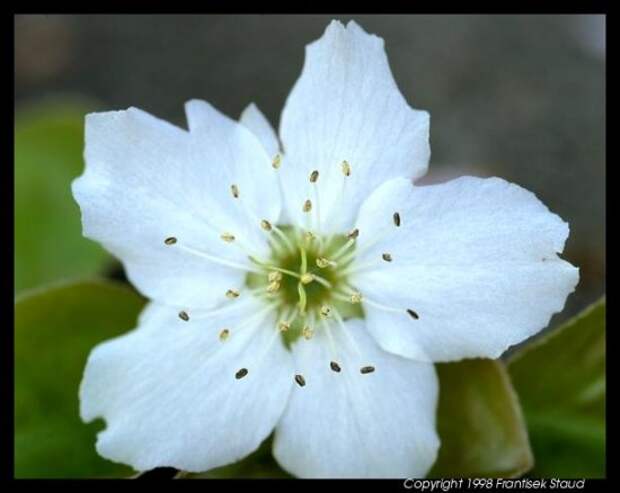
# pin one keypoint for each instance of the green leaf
(48, 236)
(479, 422)
(55, 329)
(560, 380)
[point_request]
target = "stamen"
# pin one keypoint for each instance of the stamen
(396, 218)
(322, 262)
(277, 161)
(413, 314)
(346, 168)
(234, 189)
(227, 237)
(307, 206)
(274, 276)
(241, 373)
(387, 257)
(335, 366)
(314, 176)
(284, 326)
(273, 287)
(309, 236)
(183, 316)
(307, 278)
(266, 225)
(170, 240)
(325, 311)
(307, 332)
(300, 380)
(356, 298)
(213, 258)
(224, 334)
(353, 234)
(364, 370)
(232, 294)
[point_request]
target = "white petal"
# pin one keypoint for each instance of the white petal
(346, 106)
(169, 395)
(143, 183)
(257, 123)
(346, 424)
(474, 258)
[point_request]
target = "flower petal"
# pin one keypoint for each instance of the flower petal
(169, 395)
(143, 184)
(475, 259)
(254, 120)
(346, 106)
(349, 424)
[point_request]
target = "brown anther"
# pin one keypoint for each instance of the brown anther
(224, 334)
(314, 176)
(413, 314)
(396, 218)
(346, 168)
(301, 381)
(387, 257)
(183, 316)
(232, 293)
(307, 206)
(335, 366)
(241, 373)
(170, 240)
(277, 161)
(353, 234)
(367, 369)
(266, 225)
(227, 237)
(234, 189)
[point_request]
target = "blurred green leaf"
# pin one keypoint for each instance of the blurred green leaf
(55, 329)
(479, 421)
(259, 464)
(560, 380)
(48, 235)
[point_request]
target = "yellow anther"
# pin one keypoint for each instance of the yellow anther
(346, 168)
(232, 293)
(234, 189)
(224, 334)
(273, 287)
(274, 276)
(227, 237)
(356, 298)
(284, 326)
(322, 262)
(277, 161)
(314, 176)
(307, 206)
(353, 234)
(307, 332)
(325, 311)
(266, 225)
(306, 278)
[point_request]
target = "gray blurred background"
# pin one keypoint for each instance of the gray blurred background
(520, 97)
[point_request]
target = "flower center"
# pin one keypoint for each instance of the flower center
(306, 279)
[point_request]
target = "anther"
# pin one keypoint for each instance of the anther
(274, 276)
(232, 293)
(301, 381)
(307, 332)
(170, 241)
(241, 373)
(273, 287)
(266, 225)
(307, 206)
(183, 316)
(325, 311)
(314, 176)
(353, 234)
(306, 278)
(277, 161)
(322, 262)
(284, 326)
(227, 237)
(412, 314)
(335, 366)
(356, 298)
(396, 218)
(224, 334)
(367, 369)
(234, 189)
(387, 257)
(309, 236)
(346, 168)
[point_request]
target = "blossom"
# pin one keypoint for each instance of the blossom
(307, 287)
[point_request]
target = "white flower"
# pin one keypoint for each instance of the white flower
(308, 288)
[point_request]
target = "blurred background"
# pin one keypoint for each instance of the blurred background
(520, 97)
